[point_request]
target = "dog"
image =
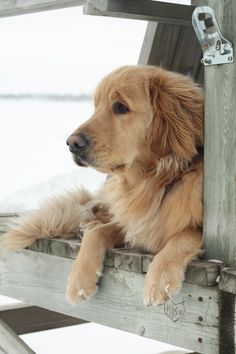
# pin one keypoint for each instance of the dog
(146, 133)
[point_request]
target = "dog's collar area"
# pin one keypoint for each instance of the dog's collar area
(191, 167)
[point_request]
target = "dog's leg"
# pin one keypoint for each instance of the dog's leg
(87, 268)
(166, 272)
(58, 217)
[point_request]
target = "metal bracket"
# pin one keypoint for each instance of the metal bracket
(216, 49)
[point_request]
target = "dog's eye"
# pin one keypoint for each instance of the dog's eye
(119, 108)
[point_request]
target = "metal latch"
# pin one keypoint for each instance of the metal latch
(216, 49)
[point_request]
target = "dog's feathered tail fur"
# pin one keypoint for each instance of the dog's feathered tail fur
(60, 216)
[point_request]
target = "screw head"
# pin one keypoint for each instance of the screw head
(206, 61)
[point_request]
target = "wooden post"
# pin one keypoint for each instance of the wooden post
(220, 146)
(10, 343)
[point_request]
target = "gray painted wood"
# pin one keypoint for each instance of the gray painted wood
(190, 320)
(220, 147)
(19, 7)
(10, 343)
(141, 10)
(30, 319)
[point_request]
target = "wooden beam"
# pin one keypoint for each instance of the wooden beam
(5, 219)
(228, 280)
(29, 319)
(220, 147)
(20, 7)
(190, 320)
(148, 43)
(200, 272)
(227, 323)
(141, 10)
(10, 343)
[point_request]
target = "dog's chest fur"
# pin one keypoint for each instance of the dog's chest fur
(136, 210)
(148, 214)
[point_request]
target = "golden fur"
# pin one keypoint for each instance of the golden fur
(153, 197)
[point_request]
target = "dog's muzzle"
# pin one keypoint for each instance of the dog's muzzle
(79, 145)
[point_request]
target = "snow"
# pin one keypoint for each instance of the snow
(92, 338)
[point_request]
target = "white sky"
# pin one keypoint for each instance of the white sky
(59, 51)
(64, 51)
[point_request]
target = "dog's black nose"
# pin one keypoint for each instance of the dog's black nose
(78, 142)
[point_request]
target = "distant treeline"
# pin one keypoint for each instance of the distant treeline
(46, 96)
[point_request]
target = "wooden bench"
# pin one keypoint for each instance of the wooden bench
(202, 316)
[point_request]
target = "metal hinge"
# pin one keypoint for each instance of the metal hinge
(216, 49)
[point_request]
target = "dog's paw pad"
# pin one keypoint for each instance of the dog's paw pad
(156, 295)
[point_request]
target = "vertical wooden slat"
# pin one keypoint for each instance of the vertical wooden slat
(173, 47)
(220, 147)
(227, 318)
(10, 343)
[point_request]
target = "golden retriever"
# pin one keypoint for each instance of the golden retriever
(147, 134)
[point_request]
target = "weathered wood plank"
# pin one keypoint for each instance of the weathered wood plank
(141, 10)
(200, 272)
(148, 43)
(227, 323)
(29, 319)
(173, 47)
(10, 343)
(19, 7)
(220, 151)
(190, 320)
(228, 280)
(5, 218)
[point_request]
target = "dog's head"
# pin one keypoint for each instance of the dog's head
(142, 114)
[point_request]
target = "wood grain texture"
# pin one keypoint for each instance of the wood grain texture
(173, 47)
(220, 147)
(19, 7)
(141, 10)
(190, 320)
(227, 323)
(200, 272)
(10, 343)
(228, 280)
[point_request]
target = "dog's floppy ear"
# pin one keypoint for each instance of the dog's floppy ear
(177, 124)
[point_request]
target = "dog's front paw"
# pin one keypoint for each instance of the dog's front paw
(82, 282)
(162, 284)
